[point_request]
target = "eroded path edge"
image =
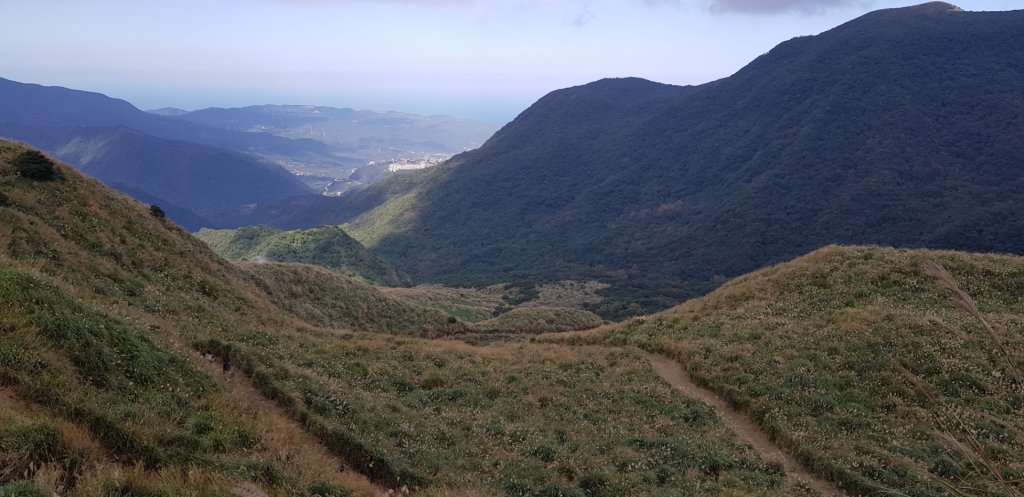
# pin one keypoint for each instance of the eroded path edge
(745, 429)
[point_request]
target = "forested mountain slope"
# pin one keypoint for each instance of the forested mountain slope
(898, 128)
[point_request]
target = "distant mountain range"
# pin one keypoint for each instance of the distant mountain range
(362, 141)
(205, 174)
(901, 127)
(195, 184)
(367, 135)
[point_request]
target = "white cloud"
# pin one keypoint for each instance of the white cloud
(781, 6)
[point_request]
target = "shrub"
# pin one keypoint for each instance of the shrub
(157, 212)
(544, 453)
(4, 201)
(23, 488)
(24, 448)
(33, 165)
(325, 489)
(594, 485)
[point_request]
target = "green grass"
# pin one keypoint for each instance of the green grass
(96, 292)
(854, 359)
(520, 419)
(540, 320)
(326, 246)
(332, 300)
(140, 403)
(467, 304)
(850, 357)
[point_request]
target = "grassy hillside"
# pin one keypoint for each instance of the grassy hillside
(108, 397)
(104, 392)
(540, 320)
(897, 128)
(101, 390)
(853, 359)
(328, 299)
(857, 361)
(519, 420)
(101, 393)
(552, 307)
(466, 304)
(325, 246)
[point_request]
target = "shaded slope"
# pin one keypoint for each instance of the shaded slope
(310, 211)
(327, 246)
(209, 172)
(898, 128)
(855, 361)
(204, 180)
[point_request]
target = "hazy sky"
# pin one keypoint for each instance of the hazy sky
(486, 59)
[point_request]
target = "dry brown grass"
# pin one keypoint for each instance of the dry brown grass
(467, 304)
(961, 300)
(568, 294)
(461, 492)
(831, 353)
(107, 250)
(955, 433)
(283, 442)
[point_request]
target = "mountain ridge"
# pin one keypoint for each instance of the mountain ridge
(846, 356)
(895, 128)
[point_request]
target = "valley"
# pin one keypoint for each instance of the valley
(556, 414)
(211, 166)
(802, 279)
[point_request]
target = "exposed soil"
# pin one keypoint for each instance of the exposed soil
(740, 424)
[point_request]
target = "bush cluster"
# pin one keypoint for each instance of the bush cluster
(32, 164)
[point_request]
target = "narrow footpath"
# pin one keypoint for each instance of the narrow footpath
(670, 371)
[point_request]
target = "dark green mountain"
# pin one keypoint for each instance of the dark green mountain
(327, 246)
(901, 127)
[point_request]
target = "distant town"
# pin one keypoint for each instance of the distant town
(404, 164)
(375, 171)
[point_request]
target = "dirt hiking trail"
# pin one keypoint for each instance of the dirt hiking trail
(670, 371)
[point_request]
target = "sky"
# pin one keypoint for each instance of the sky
(483, 59)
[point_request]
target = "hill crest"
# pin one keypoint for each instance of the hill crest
(896, 128)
